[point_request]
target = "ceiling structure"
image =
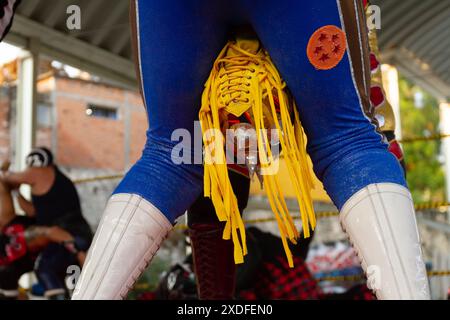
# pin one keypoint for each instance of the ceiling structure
(414, 36)
(102, 46)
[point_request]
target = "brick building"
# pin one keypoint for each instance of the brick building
(87, 124)
(93, 128)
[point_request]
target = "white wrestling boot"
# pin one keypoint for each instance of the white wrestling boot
(381, 224)
(128, 237)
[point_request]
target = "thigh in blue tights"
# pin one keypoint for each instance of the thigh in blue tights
(177, 44)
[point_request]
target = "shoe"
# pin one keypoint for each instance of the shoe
(128, 237)
(381, 224)
(215, 269)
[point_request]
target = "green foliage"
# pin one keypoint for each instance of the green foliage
(425, 175)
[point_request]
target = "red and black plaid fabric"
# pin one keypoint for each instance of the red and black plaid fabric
(276, 281)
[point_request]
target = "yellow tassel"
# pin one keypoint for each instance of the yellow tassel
(224, 91)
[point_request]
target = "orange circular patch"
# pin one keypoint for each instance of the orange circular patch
(326, 47)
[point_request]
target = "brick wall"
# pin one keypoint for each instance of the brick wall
(4, 123)
(44, 134)
(93, 142)
(84, 146)
(79, 140)
(138, 128)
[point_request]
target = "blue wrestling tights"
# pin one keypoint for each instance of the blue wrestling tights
(176, 44)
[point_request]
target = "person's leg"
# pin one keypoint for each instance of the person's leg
(177, 42)
(38, 237)
(213, 256)
(51, 267)
(10, 275)
(7, 212)
(328, 74)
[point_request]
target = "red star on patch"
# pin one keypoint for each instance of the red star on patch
(326, 47)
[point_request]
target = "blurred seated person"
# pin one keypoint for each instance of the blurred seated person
(265, 275)
(54, 203)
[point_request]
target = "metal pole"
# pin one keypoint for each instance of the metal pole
(390, 84)
(26, 117)
(445, 129)
(26, 104)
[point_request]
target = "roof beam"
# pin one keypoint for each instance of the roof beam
(409, 22)
(417, 24)
(428, 80)
(434, 45)
(426, 85)
(120, 42)
(90, 12)
(109, 21)
(67, 49)
(443, 64)
(27, 8)
(55, 13)
(424, 46)
(388, 17)
(418, 37)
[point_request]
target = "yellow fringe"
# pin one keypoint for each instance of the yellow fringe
(217, 185)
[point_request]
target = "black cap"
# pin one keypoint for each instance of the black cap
(39, 157)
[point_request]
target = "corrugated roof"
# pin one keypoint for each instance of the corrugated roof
(104, 23)
(414, 36)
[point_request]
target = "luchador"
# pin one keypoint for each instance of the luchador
(320, 51)
(216, 275)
